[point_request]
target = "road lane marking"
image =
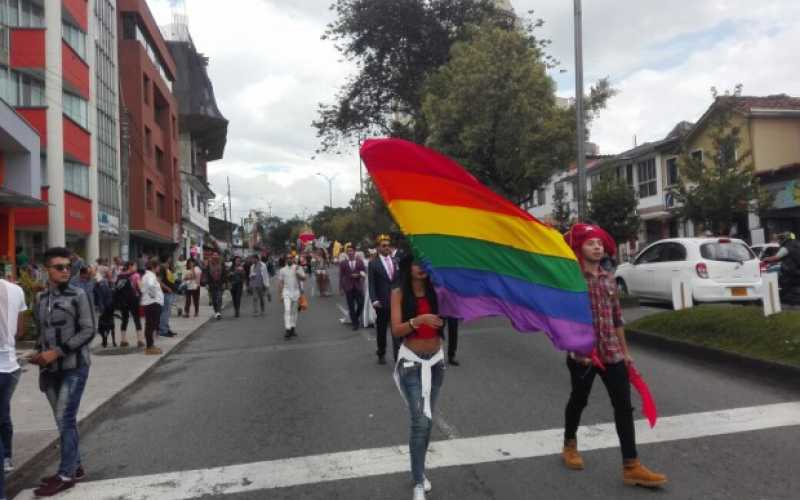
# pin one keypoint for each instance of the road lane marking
(339, 466)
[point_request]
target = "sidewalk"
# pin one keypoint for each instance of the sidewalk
(113, 371)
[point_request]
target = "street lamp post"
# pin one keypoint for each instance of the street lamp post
(330, 187)
(579, 117)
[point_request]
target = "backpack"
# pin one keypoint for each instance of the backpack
(123, 292)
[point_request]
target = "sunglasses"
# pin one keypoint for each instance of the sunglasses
(60, 267)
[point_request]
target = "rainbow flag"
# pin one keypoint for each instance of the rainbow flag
(486, 256)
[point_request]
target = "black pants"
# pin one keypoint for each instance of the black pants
(192, 295)
(452, 337)
(215, 291)
(105, 326)
(152, 317)
(615, 378)
(236, 295)
(132, 310)
(381, 326)
(355, 303)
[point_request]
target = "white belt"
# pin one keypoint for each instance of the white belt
(426, 374)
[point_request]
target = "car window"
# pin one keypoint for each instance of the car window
(726, 251)
(652, 254)
(675, 252)
(769, 252)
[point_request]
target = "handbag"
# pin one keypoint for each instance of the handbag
(302, 303)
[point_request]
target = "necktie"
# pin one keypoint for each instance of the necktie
(390, 267)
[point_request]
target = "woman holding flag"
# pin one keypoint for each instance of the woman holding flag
(610, 359)
(419, 371)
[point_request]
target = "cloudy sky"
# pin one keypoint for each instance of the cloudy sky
(270, 70)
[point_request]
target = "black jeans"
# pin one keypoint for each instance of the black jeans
(152, 317)
(615, 378)
(381, 325)
(215, 291)
(236, 295)
(192, 295)
(355, 303)
(452, 337)
(132, 310)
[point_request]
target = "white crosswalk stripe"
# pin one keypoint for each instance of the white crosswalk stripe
(267, 475)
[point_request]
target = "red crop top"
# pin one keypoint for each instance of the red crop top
(424, 331)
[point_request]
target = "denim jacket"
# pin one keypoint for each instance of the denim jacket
(65, 322)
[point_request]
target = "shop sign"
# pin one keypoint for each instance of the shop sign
(787, 193)
(108, 223)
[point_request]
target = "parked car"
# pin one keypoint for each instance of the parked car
(765, 250)
(717, 269)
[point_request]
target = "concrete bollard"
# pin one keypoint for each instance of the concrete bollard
(681, 294)
(770, 294)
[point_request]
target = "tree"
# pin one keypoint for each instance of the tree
(492, 108)
(718, 189)
(284, 232)
(612, 206)
(562, 211)
(396, 45)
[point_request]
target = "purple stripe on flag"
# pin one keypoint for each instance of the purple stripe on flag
(565, 334)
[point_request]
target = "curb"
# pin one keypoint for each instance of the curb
(20, 479)
(738, 362)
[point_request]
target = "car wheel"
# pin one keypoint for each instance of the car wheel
(623, 288)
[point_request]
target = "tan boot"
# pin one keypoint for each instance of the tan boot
(152, 351)
(636, 474)
(572, 459)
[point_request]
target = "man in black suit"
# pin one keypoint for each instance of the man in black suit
(351, 284)
(382, 275)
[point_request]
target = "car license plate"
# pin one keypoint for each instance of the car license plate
(739, 292)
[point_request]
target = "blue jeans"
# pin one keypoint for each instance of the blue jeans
(8, 382)
(166, 311)
(410, 381)
(64, 391)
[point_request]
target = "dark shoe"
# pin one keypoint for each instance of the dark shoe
(288, 335)
(294, 332)
(80, 475)
(53, 487)
(381, 360)
(452, 361)
(168, 334)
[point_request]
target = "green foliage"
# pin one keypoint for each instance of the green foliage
(395, 45)
(284, 234)
(719, 188)
(563, 215)
(743, 330)
(365, 218)
(612, 206)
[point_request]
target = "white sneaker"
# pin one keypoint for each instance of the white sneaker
(419, 492)
(8, 465)
(218, 316)
(426, 484)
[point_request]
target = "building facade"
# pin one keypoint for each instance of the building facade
(47, 78)
(203, 134)
(153, 179)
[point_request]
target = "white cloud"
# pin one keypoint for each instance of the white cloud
(270, 70)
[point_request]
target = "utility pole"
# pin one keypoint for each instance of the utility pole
(580, 126)
(230, 212)
(330, 187)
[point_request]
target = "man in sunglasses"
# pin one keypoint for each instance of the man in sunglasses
(382, 275)
(66, 326)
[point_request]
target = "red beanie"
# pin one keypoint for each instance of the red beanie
(579, 233)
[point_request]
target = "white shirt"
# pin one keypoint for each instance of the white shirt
(151, 290)
(12, 302)
(192, 278)
(288, 276)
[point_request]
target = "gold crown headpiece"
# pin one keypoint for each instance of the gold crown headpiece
(383, 237)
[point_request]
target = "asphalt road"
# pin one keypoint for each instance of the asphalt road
(237, 393)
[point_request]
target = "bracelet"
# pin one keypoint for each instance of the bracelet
(411, 324)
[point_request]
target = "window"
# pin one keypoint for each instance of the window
(697, 155)
(22, 13)
(146, 89)
(20, 90)
(726, 251)
(672, 171)
(541, 197)
(148, 143)
(647, 178)
(76, 178)
(77, 109)
(149, 195)
(75, 38)
(651, 255)
(159, 159)
(161, 206)
(674, 252)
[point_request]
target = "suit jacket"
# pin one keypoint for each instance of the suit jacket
(380, 286)
(348, 283)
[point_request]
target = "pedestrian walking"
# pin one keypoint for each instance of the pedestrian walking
(237, 278)
(419, 371)
(290, 279)
(258, 284)
(152, 301)
(127, 297)
(104, 304)
(216, 278)
(12, 326)
(590, 244)
(66, 326)
(191, 280)
(351, 284)
(166, 277)
(381, 278)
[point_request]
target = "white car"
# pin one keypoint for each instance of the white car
(717, 269)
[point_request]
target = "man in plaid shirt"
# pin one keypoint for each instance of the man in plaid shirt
(591, 244)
